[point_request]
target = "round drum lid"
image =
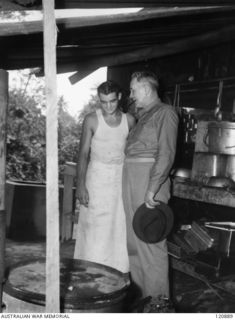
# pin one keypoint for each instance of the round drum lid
(81, 282)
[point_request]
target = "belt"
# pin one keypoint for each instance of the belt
(139, 160)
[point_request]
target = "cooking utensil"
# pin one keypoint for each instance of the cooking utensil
(182, 173)
(221, 182)
(220, 137)
(217, 111)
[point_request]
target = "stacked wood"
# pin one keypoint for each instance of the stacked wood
(202, 233)
(178, 238)
(199, 238)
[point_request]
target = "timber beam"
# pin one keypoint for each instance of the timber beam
(91, 4)
(156, 51)
(27, 23)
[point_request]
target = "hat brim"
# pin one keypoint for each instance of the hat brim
(169, 218)
(165, 220)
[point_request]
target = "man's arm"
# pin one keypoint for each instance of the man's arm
(131, 121)
(83, 158)
(165, 156)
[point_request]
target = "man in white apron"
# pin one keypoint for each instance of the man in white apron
(101, 230)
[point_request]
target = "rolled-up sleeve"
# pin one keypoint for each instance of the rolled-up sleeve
(166, 125)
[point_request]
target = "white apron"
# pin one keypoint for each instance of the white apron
(101, 229)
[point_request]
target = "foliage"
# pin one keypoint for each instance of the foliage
(25, 138)
(68, 136)
(26, 131)
(91, 106)
(13, 8)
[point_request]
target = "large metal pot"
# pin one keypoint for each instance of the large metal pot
(230, 167)
(220, 137)
(207, 164)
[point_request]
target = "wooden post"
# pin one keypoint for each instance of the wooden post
(52, 194)
(3, 112)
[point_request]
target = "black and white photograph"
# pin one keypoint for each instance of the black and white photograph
(117, 158)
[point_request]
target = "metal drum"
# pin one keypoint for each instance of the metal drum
(84, 287)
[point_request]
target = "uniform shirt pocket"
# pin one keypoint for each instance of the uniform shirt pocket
(147, 136)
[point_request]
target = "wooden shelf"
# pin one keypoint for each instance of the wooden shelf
(186, 189)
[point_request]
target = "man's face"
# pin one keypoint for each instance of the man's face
(138, 93)
(109, 102)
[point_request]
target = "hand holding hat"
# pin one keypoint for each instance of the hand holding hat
(152, 225)
(149, 200)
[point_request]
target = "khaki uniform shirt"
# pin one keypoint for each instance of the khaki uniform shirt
(154, 136)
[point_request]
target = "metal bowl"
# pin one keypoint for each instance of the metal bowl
(221, 182)
(182, 173)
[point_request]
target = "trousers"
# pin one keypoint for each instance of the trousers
(148, 262)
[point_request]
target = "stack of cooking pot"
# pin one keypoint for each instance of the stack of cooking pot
(220, 137)
(220, 140)
(214, 154)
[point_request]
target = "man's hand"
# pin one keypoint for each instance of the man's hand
(82, 195)
(149, 200)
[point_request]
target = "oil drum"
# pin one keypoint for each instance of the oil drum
(84, 287)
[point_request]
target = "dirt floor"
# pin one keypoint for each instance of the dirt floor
(189, 295)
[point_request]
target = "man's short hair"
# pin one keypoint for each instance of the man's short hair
(147, 76)
(108, 87)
